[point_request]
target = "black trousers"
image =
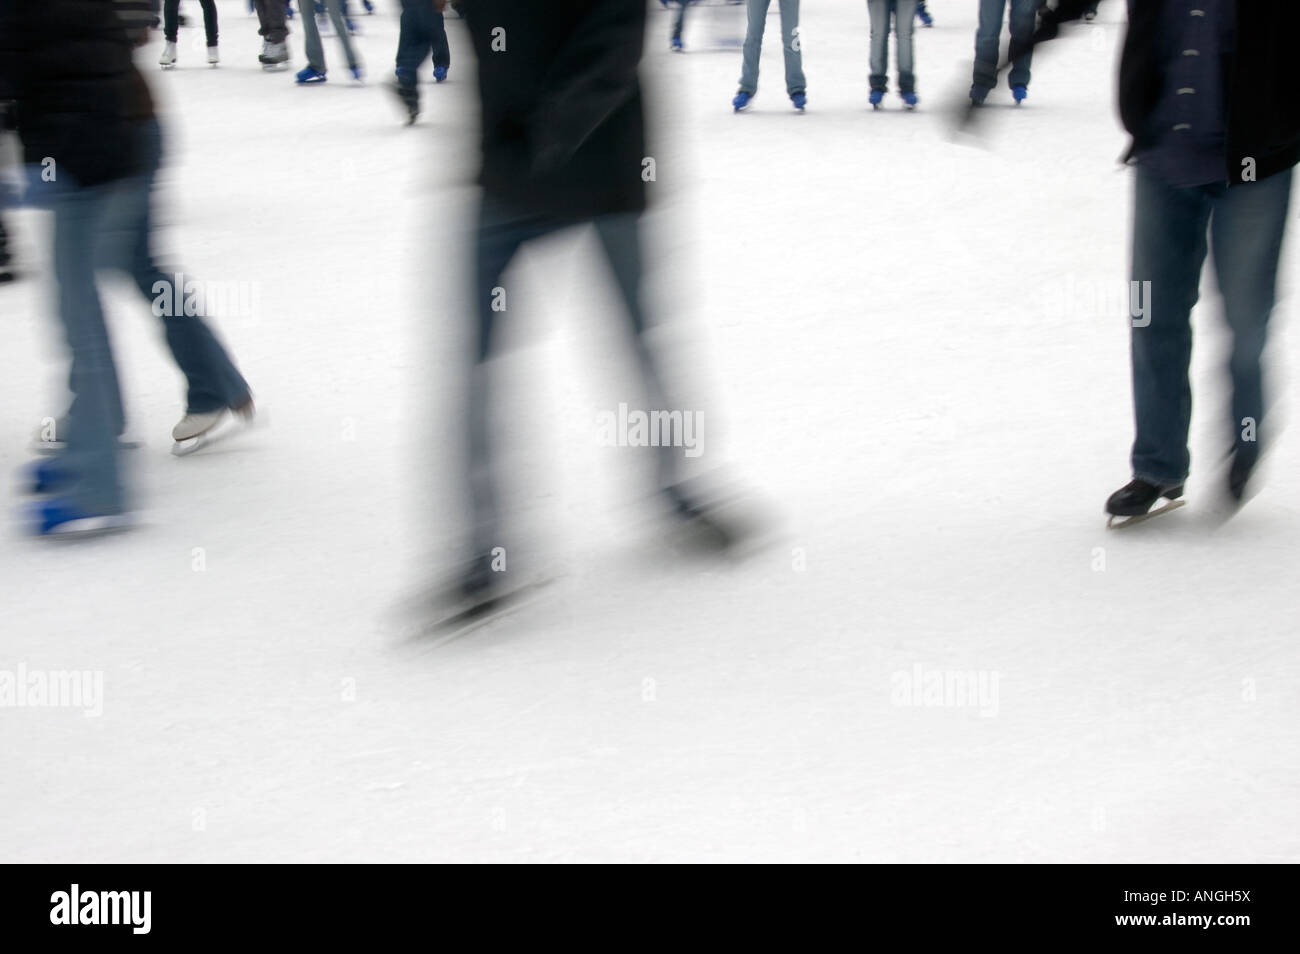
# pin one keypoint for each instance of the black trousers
(171, 19)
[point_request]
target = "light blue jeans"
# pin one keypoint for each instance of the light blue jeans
(904, 14)
(311, 34)
(1024, 18)
(757, 11)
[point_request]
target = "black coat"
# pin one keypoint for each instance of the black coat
(67, 65)
(562, 126)
(1263, 91)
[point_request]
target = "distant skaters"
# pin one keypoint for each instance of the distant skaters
(422, 34)
(1023, 20)
(171, 23)
(315, 70)
(756, 22)
(902, 13)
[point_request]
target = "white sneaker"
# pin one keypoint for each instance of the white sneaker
(213, 59)
(168, 57)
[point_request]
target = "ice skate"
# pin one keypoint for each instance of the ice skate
(213, 57)
(167, 59)
(1132, 503)
(195, 431)
(274, 56)
(60, 517)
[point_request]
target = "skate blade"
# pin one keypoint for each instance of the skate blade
(1118, 523)
(85, 527)
(468, 616)
(229, 426)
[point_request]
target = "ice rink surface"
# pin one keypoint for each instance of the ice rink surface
(912, 350)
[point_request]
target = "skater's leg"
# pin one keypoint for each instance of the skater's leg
(987, 37)
(210, 21)
(212, 380)
(904, 19)
(4, 250)
(171, 20)
(679, 19)
(500, 234)
(1024, 18)
(413, 40)
(1246, 230)
(341, 28)
(621, 239)
(794, 78)
(441, 50)
(878, 12)
(755, 22)
(271, 20)
(92, 453)
(1169, 247)
(311, 36)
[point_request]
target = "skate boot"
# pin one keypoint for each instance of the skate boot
(799, 99)
(309, 75)
(1132, 503)
(741, 100)
(876, 98)
(978, 94)
(168, 58)
(274, 56)
(1020, 93)
(910, 100)
(213, 58)
(439, 74)
(675, 44)
(196, 430)
(924, 15)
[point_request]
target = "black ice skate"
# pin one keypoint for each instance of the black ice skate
(1132, 503)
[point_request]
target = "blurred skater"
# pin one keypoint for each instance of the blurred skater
(171, 16)
(422, 34)
(74, 116)
(314, 71)
(923, 14)
(1024, 17)
(756, 22)
(562, 145)
(902, 13)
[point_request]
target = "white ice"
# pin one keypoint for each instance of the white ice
(915, 357)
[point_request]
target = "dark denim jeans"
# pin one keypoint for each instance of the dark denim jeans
(422, 33)
(125, 245)
(989, 35)
(1173, 229)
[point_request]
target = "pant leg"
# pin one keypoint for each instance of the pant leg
(1024, 18)
(414, 39)
(987, 37)
(904, 21)
(756, 21)
(92, 453)
(1246, 230)
(620, 238)
(1169, 247)
(210, 21)
(679, 19)
(313, 50)
(171, 19)
(794, 78)
(878, 12)
(271, 20)
(500, 235)
(212, 380)
(341, 28)
(441, 49)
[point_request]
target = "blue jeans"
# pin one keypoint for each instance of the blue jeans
(989, 35)
(422, 32)
(311, 34)
(92, 452)
(212, 380)
(501, 232)
(757, 21)
(904, 14)
(1245, 225)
